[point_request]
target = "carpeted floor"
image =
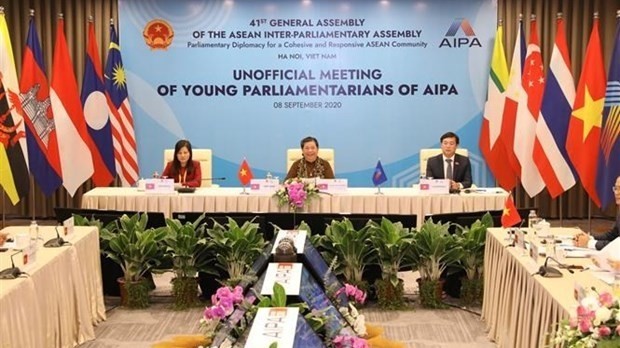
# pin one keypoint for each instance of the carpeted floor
(415, 327)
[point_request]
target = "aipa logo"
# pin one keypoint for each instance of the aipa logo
(453, 41)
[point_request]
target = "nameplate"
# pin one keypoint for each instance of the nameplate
(68, 228)
(534, 251)
(435, 186)
(274, 326)
(298, 237)
(159, 186)
(332, 185)
(29, 257)
(520, 239)
(264, 185)
(287, 274)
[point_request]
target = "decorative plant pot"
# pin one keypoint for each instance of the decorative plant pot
(430, 293)
(390, 296)
(471, 292)
(185, 292)
(134, 294)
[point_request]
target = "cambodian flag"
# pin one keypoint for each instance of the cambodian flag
(34, 104)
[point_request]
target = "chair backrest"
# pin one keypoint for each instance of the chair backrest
(425, 154)
(293, 155)
(204, 156)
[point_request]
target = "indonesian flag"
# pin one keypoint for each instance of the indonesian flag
(75, 156)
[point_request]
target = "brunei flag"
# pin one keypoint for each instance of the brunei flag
(13, 168)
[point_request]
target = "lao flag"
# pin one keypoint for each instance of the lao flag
(609, 157)
(33, 104)
(96, 113)
(245, 173)
(378, 176)
(510, 216)
(549, 151)
(73, 138)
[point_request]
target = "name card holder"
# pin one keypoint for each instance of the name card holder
(287, 274)
(274, 325)
(267, 186)
(332, 185)
(435, 186)
(68, 228)
(29, 257)
(159, 186)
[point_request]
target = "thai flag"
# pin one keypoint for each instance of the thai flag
(96, 113)
(550, 154)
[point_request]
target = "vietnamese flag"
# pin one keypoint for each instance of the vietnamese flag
(245, 173)
(510, 216)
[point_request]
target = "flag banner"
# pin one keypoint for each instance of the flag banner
(245, 173)
(584, 128)
(514, 91)
(609, 157)
(121, 118)
(379, 177)
(75, 157)
(549, 151)
(96, 114)
(33, 104)
(13, 166)
(533, 83)
(491, 145)
(510, 216)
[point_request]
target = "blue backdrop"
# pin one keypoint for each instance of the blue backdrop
(250, 78)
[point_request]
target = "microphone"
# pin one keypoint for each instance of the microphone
(55, 242)
(550, 272)
(11, 272)
(216, 179)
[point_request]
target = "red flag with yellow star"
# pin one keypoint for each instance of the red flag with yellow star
(510, 216)
(245, 173)
(584, 128)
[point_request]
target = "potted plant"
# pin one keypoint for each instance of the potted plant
(189, 251)
(351, 247)
(472, 241)
(236, 247)
(393, 244)
(435, 249)
(136, 249)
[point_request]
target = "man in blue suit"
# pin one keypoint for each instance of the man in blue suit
(449, 164)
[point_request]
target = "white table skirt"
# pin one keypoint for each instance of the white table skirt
(406, 201)
(520, 308)
(61, 300)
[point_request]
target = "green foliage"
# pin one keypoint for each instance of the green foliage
(430, 294)
(351, 247)
(390, 296)
(187, 246)
(472, 241)
(435, 249)
(236, 247)
(185, 292)
(134, 247)
(137, 294)
(393, 244)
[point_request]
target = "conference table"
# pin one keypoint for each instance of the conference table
(520, 309)
(60, 300)
(403, 201)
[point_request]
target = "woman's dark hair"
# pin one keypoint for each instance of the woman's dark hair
(307, 140)
(176, 165)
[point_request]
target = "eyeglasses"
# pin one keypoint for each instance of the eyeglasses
(616, 189)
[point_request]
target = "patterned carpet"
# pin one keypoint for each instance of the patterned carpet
(416, 327)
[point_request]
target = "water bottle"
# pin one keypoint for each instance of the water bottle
(269, 176)
(34, 232)
(532, 219)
